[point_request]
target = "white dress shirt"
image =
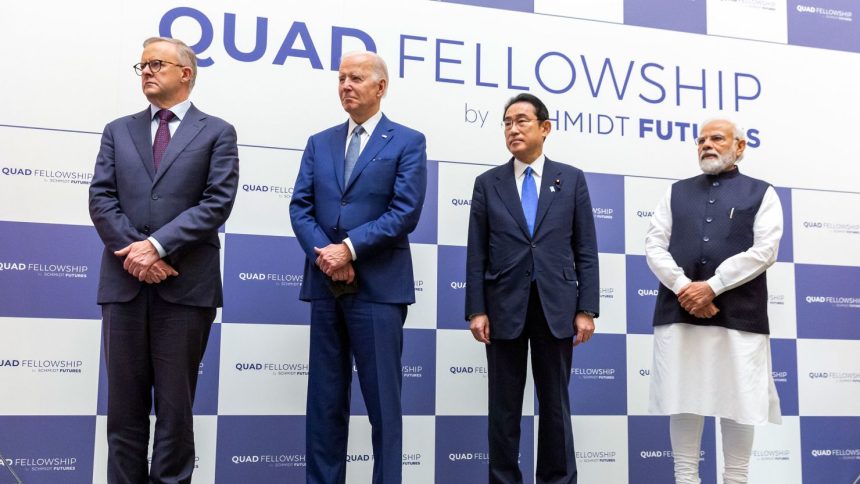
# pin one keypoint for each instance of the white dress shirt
(520, 173)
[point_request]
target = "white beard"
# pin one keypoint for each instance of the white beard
(713, 166)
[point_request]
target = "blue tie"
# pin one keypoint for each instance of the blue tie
(352, 153)
(529, 200)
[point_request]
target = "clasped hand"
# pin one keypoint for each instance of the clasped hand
(335, 260)
(143, 262)
(697, 299)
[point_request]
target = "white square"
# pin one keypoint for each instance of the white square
(422, 314)
(826, 227)
(49, 366)
(781, 308)
(601, 448)
(640, 350)
(264, 369)
(749, 19)
(828, 377)
(419, 449)
(641, 196)
(776, 453)
(456, 183)
(46, 175)
(613, 294)
(604, 10)
(262, 204)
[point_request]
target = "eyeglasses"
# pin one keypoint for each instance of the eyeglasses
(154, 66)
(714, 138)
(520, 122)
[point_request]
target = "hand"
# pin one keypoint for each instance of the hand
(159, 272)
(332, 257)
(708, 311)
(584, 328)
(479, 325)
(139, 256)
(695, 296)
(345, 273)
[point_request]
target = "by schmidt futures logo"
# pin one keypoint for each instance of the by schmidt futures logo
(43, 464)
(270, 460)
(42, 365)
(273, 190)
(278, 279)
(48, 175)
(45, 269)
(281, 368)
(828, 13)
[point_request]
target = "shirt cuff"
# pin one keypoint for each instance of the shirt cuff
(680, 283)
(351, 248)
(716, 285)
(161, 252)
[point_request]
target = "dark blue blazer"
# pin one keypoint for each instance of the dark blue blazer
(501, 256)
(182, 206)
(377, 209)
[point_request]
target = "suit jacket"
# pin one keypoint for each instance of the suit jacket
(182, 206)
(501, 256)
(376, 209)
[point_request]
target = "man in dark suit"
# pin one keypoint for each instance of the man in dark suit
(358, 195)
(532, 278)
(164, 182)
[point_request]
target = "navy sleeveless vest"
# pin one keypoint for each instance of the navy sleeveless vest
(712, 220)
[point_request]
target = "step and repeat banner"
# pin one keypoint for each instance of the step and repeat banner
(627, 84)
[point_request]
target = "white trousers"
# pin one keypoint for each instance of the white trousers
(685, 431)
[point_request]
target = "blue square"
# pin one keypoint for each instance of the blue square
(830, 449)
(48, 448)
(827, 303)
(462, 449)
(451, 289)
(517, 5)
(598, 380)
(260, 449)
(642, 286)
(784, 356)
(262, 279)
(426, 230)
(679, 15)
(827, 24)
(786, 243)
(40, 281)
(607, 206)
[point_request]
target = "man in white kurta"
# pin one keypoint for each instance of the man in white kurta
(710, 241)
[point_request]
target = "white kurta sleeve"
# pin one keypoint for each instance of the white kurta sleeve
(661, 262)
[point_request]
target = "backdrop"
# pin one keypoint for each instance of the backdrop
(626, 83)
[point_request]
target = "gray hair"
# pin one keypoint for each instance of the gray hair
(738, 132)
(377, 65)
(187, 57)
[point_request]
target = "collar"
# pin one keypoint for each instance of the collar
(368, 125)
(179, 110)
(537, 166)
(725, 175)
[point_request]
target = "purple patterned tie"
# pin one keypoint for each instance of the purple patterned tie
(162, 136)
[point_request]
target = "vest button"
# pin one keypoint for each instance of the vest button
(709, 219)
(706, 238)
(711, 201)
(704, 261)
(716, 184)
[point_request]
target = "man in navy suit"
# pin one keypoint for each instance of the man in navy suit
(164, 182)
(531, 279)
(358, 195)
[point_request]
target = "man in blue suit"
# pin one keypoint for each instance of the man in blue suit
(164, 182)
(358, 195)
(531, 279)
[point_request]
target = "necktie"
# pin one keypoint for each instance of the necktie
(162, 136)
(529, 199)
(352, 153)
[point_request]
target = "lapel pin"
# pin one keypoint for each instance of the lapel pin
(556, 187)
(385, 136)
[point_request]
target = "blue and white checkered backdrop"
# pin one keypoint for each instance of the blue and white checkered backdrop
(626, 83)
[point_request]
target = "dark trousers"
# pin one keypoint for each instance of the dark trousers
(152, 347)
(551, 363)
(372, 333)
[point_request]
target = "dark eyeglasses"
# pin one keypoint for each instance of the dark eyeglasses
(154, 66)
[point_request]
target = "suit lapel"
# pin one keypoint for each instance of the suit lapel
(140, 129)
(187, 130)
(338, 152)
(506, 188)
(381, 136)
(548, 177)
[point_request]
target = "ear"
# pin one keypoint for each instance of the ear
(742, 144)
(383, 84)
(546, 127)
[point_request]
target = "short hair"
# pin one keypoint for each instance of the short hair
(738, 132)
(377, 65)
(541, 111)
(187, 57)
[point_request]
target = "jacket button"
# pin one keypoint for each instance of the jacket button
(146, 229)
(343, 203)
(334, 229)
(704, 261)
(716, 184)
(534, 245)
(711, 201)
(155, 196)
